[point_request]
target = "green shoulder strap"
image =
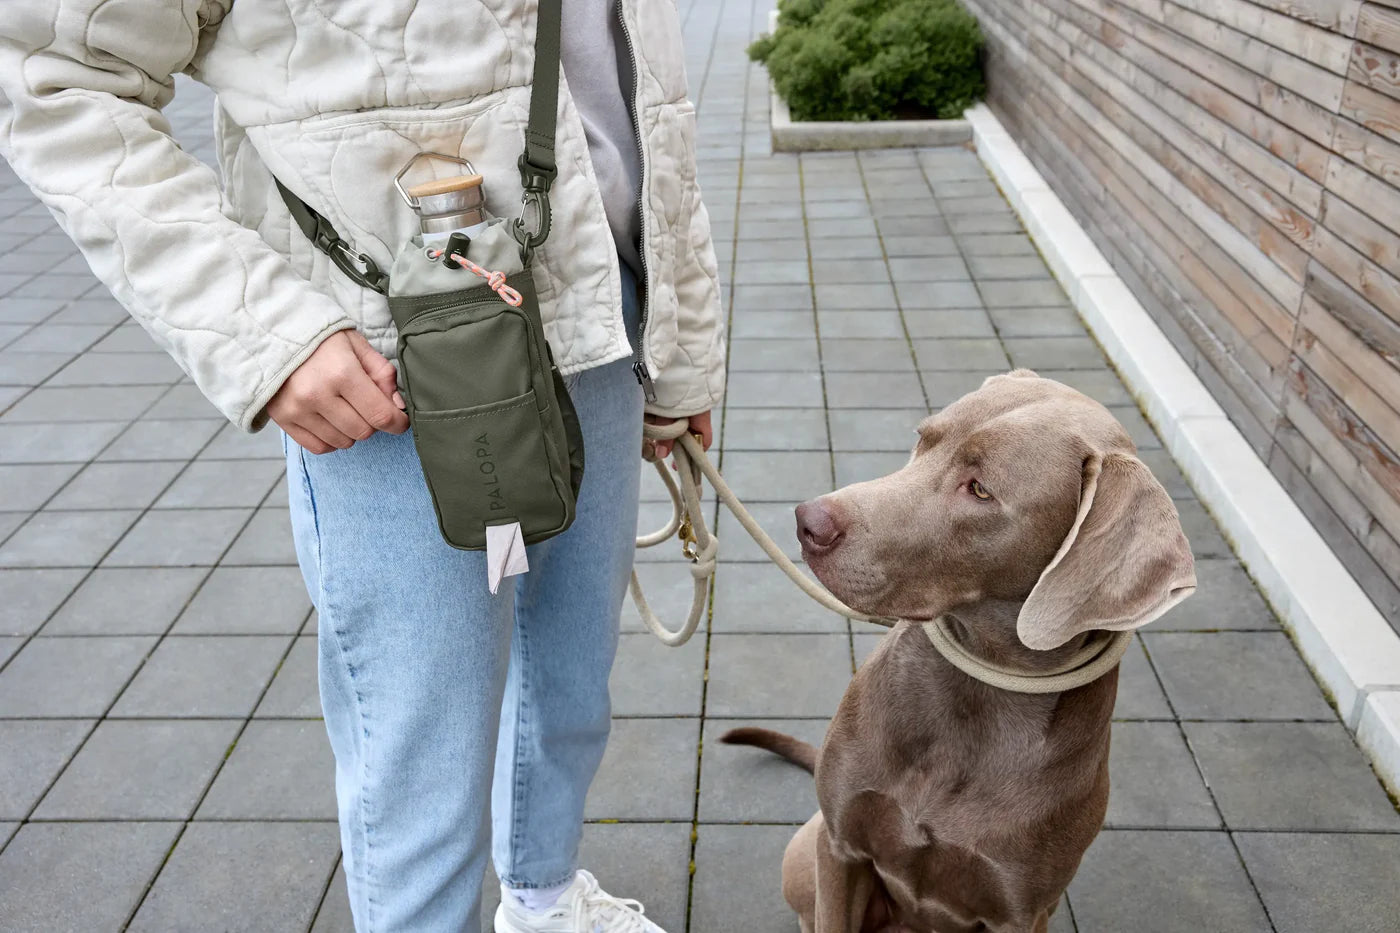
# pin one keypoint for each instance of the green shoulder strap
(537, 168)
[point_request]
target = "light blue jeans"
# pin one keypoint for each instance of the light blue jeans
(439, 697)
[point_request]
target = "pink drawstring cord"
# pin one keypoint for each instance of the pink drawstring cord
(497, 280)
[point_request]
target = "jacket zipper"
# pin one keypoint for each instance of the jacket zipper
(639, 361)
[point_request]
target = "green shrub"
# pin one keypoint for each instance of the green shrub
(873, 59)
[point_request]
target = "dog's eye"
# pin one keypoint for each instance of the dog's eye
(978, 490)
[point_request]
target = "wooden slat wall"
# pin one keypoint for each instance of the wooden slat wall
(1239, 163)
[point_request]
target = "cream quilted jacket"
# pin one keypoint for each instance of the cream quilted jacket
(332, 97)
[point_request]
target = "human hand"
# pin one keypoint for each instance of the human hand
(342, 393)
(699, 424)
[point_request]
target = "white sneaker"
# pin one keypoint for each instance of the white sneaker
(582, 908)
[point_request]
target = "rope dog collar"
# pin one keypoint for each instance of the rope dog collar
(1101, 653)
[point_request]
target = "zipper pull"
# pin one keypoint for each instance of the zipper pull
(639, 369)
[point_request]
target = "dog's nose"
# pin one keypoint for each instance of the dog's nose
(817, 528)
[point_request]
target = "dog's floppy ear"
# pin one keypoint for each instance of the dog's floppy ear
(1124, 562)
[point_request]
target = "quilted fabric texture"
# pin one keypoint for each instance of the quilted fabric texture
(333, 98)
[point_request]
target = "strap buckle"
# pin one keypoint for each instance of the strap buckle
(531, 231)
(358, 266)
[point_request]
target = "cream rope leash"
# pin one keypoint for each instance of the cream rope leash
(1098, 656)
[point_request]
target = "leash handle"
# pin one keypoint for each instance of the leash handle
(701, 546)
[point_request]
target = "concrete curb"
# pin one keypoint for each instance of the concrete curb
(812, 136)
(1344, 639)
(790, 136)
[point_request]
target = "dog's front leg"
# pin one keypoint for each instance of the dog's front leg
(843, 889)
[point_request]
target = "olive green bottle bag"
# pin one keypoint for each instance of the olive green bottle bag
(495, 429)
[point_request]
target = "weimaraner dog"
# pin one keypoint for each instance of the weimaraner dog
(1025, 519)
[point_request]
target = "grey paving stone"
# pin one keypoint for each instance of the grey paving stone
(1036, 322)
(938, 295)
(965, 322)
(739, 880)
(271, 877)
(756, 229)
(9, 521)
(1155, 784)
(961, 189)
(774, 390)
(962, 224)
(162, 440)
(116, 486)
(774, 354)
(32, 752)
(334, 915)
(869, 295)
(874, 390)
(950, 268)
(927, 225)
(860, 324)
(1167, 473)
(650, 679)
(1225, 598)
(876, 356)
(835, 248)
(247, 601)
(69, 677)
(63, 405)
(204, 676)
(1205, 537)
(748, 326)
(79, 876)
(1137, 427)
(293, 694)
(919, 246)
(1164, 881)
(855, 467)
(139, 770)
(126, 601)
(9, 645)
(281, 769)
(118, 369)
(1235, 675)
(65, 539)
(778, 475)
(648, 771)
(947, 386)
(234, 444)
(1139, 694)
(1290, 776)
(961, 353)
(27, 310)
(90, 310)
(1313, 882)
(30, 369)
(178, 538)
(762, 298)
(648, 861)
(182, 402)
(763, 250)
(1007, 267)
(28, 597)
(267, 541)
(742, 784)
(855, 227)
(776, 675)
(129, 338)
(7, 829)
(776, 518)
(222, 483)
(1102, 385)
(771, 271)
(775, 429)
(1054, 353)
(875, 429)
(28, 486)
(55, 443)
(759, 598)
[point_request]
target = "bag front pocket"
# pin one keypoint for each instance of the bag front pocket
(488, 465)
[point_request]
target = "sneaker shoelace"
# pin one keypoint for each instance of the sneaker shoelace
(594, 907)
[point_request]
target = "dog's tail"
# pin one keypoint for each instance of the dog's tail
(803, 754)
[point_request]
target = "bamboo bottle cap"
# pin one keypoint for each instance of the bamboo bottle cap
(444, 186)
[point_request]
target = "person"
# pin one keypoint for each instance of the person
(462, 724)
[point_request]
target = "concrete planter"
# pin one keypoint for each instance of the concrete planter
(808, 136)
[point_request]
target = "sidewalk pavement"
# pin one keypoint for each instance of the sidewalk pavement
(162, 764)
